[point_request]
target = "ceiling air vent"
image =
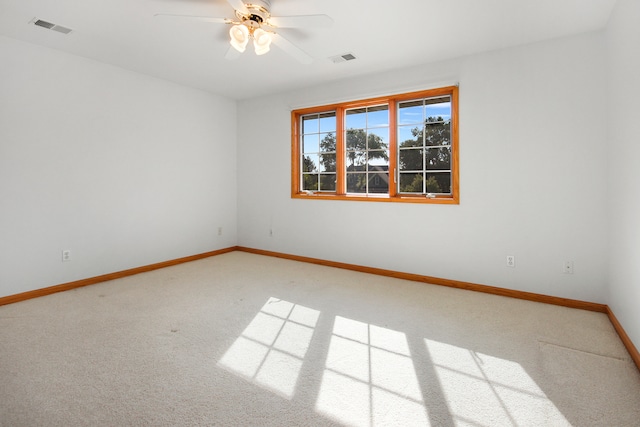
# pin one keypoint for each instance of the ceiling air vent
(51, 26)
(342, 58)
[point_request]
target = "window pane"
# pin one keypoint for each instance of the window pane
(356, 183)
(310, 143)
(411, 183)
(367, 144)
(378, 157)
(356, 139)
(328, 162)
(434, 130)
(378, 182)
(439, 158)
(438, 133)
(438, 108)
(378, 138)
(356, 118)
(309, 182)
(310, 124)
(356, 160)
(439, 183)
(328, 182)
(410, 112)
(409, 137)
(327, 142)
(411, 159)
(328, 122)
(310, 163)
(378, 116)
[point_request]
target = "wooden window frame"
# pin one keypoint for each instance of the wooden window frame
(393, 195)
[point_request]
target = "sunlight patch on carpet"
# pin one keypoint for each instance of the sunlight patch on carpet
(479, 387)
(369, 377)
(270, 350)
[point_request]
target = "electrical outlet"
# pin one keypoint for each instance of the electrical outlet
(271, 232)
(219, 231)
(66, 255)
(567, 267)
(511, 261)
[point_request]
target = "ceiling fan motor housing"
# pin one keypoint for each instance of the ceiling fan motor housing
(258, 12)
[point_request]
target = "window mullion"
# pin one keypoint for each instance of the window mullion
(341, 187)
(393, 150)
(296, 150)
(455, 184)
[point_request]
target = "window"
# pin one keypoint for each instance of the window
(401, 148)
(319, 152)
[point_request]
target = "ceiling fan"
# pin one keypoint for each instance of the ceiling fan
(253, 21)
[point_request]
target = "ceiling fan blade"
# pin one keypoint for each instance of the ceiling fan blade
(316, 21)
(238, 5)
(232, 54)
(194, 18)
(291, 49)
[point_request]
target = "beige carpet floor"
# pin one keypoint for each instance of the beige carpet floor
(242, 339)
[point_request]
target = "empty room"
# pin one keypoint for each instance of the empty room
(319, 213)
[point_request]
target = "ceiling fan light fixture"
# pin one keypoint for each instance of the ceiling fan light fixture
(239, 37)
(261, 41)
(261, 50)
(253, 21)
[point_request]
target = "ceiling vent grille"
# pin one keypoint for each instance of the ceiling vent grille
(51, 26)
(342, 58)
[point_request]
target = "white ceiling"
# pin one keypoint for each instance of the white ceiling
(382, 34)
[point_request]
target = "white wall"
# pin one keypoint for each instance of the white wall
(123, 169)
(127, 170)
(532, 156)
(623, 41)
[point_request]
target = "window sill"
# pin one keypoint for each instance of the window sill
(438, 200)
